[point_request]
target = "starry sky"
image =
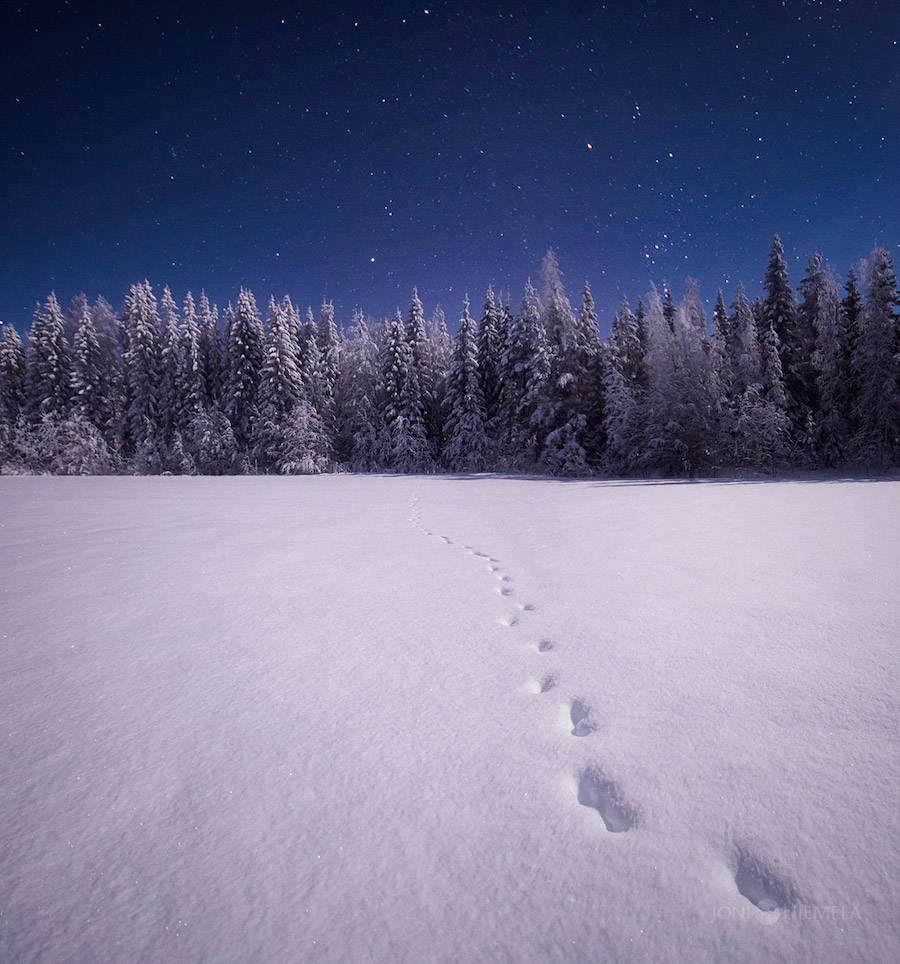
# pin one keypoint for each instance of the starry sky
(351, 151)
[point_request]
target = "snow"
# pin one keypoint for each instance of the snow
(350, 718)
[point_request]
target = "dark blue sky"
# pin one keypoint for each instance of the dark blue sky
(353, 151)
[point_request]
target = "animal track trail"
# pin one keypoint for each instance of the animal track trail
(580, 715)
(597, 791)
(759, 883)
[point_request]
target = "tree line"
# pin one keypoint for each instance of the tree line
(806, 378)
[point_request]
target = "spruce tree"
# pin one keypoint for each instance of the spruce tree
(722, 380)
(245, 362)
(423, 375)
(850, 318)
(402, 402)
(356, 395)
(490, 349)
(525, 371)
(12, 376)
(212, 363)
(466, 444)
(312, 366)
(668, 308)
(49, 363)
(780, 315)
(191, 382)
(329, 344)
(169, 364)
(90, 388)
(281, 385)
(560, 418)
(142, 374)
(589, 355)
(878, 406)
(821, 308)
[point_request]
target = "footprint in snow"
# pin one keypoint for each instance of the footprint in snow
(545, 645)
(547, 683)
(597, 791)
(527, 607)
(481, 555)
(509, 621)
(504, 590)
(758, 882)
(580, 714)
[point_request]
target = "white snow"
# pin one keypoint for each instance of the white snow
(310, 719)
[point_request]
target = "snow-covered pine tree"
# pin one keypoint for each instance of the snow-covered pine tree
(13, 372)
(142, 375)
(440, 346)
(745, 341)
(678, 407)
(466, 444)
(169, 364)
(424, 375)
(212, 363)
(329, 345)
(640, 316)
(110, 328)
(440, 358)
(303, 448)
(355, 394)
(780, 314)
(622, 393)
(191, 382)
(877, 440)
(49, 363)
(281, 385)
(225, 377)
(695, 316)
(559, 419)
(90, 387)
(668, 308)
(525, 371)
(590, 360)
(771, 421)
(850, 318)
(490, 350)
(280, 392)
(312, 365)
(245, 361)
(722, 380)
(401, 402)
(820, 308)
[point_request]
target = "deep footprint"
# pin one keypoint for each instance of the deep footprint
(600, 793)
(547, 683)
(509, 621)
(545, 645)
(580, 714)
(759, 884)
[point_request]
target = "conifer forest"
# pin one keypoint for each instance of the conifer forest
(803, 377)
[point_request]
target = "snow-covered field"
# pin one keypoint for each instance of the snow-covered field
(409, 719)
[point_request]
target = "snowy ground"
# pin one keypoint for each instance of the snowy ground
(350, 719)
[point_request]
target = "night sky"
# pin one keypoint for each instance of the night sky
(353, 151)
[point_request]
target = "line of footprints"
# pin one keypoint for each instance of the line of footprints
(753, 877)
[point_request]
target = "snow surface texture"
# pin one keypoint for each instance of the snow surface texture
(350, 719)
